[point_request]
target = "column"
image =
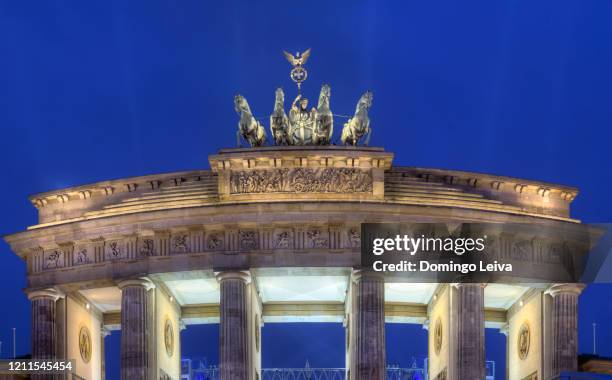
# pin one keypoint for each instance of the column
(135, 328)
(43, 323)
(104, 332)
(234, 352)
(564, 352)
(470, 349)
(505, 329)
(369, 361)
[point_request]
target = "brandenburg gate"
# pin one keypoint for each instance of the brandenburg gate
(272, 234)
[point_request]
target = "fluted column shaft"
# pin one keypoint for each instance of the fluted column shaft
(135, 329)
(234, 363)
(565, 327)
(470, 331)
(369, 313)
(43, 326)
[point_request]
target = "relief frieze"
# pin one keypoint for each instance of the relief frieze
(301, 180)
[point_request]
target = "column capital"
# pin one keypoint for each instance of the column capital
(142, 282)
(50, 293)
(104, 332)
(426, 324)
(233, 275)
(505, 329)
(556, 289)
(360, 274)
(457, 285)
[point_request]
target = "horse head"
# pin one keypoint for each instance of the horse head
(241, 105)
(279, 101)
(365, 102)
(324, 96)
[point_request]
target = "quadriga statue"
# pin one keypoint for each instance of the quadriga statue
(248, 127)
(359, 125)
(303, 126)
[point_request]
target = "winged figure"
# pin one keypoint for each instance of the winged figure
(298, 59)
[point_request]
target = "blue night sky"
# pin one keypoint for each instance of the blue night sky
(108, 89)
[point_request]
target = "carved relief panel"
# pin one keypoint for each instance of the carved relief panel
(180, 242)
(317, 238)
(54, 258)
(353, 237)
(146, 246)
(215, 241)
(283, 238)
(115, 249)
(248, 240)
(83, 253)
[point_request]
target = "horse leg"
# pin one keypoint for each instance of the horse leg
(367, 141)
(238, 139)
(348, 138)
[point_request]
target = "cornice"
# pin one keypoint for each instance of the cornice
(453, 176)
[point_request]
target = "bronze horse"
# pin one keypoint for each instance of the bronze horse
(324, 126)
(248, 127)
(279, 122)
(359, 125)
